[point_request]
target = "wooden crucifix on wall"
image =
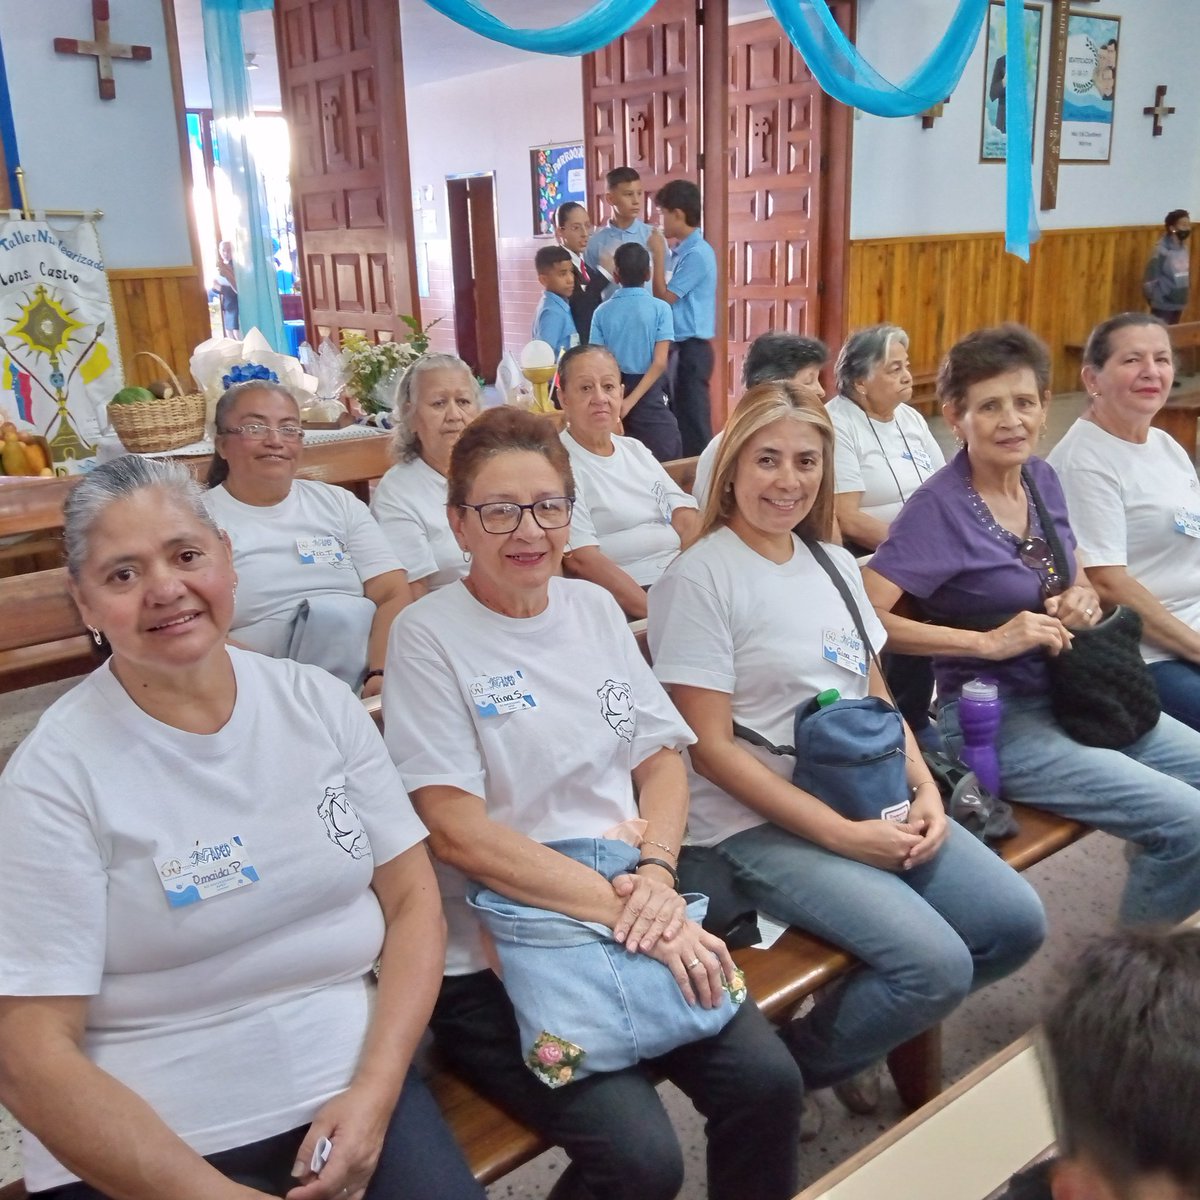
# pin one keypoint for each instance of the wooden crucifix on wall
(103, 49)
(1159, 109)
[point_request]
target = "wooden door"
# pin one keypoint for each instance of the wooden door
(775, 160)
(342, 83)
(475, 271)
(641, 102)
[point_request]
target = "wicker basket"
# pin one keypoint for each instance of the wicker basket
(156, 425)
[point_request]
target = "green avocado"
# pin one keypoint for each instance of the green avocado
(132, 395)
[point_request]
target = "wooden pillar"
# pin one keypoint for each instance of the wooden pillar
(714, 122)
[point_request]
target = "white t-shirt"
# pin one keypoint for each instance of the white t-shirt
(238, 1016)
(410, 505)
(283, 555)
(705, 465)
(725, 618)
(627, 499)
(1136, 506)
(885, 460)
(542, 717)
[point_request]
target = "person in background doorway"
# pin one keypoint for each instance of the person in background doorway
(574, 229)
(691, 292)
(626, 199)
(1167, 280)
(638, 329)
(224, 289)
(553, 322)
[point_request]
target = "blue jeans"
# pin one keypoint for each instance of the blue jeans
(1178, 684)
(1146, 793)
(926, 938)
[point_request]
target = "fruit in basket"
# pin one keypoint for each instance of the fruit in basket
(13, 456)
(133, 395)
(35, 454)
(161, 390)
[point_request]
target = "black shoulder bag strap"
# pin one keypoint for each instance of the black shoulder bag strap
(835, 576)
(1061, 563)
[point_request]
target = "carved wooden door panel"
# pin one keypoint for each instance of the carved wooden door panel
(342, 85)
(641, 102)
(775, 161)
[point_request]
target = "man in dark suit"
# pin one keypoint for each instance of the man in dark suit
(574, 229)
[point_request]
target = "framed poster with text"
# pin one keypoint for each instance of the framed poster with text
(1089, 87)
(994, 137)
(558, 176)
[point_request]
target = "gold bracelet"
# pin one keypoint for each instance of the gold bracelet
(651, 842)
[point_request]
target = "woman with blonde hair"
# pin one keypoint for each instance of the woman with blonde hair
(750, 623)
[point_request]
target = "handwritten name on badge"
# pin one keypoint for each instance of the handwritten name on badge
(326, 549)
(506, 692)
(207, 869)
(1187, 522)
(844, 648)
(918, 456)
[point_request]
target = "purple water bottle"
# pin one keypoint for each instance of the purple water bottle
(979, 712)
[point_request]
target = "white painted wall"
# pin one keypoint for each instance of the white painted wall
(79, 151)
(490, 121)
(909, 181)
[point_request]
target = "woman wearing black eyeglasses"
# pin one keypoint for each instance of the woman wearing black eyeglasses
(519, 711)
(979, 538)
(317, 579)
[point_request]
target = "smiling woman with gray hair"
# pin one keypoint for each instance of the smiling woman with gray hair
(439, 397)
(884, 449)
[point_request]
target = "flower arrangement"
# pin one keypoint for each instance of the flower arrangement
(373, 369)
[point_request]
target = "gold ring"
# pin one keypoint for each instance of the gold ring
(692, 965)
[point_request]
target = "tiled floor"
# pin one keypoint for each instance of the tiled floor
(1079, 886)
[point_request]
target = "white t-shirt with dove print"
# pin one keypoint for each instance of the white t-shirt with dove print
(542, 717)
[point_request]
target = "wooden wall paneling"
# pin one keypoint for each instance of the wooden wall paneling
(161, 309)
(939, 288)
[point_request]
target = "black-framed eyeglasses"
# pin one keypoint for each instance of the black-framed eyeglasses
(502, 516)
(1035, 552)
(252, 431)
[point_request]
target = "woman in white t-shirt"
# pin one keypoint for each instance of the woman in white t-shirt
(438, 398)
(883, 448)
(1135, 501)
(631, 517)
(317, 579)
(203, 851)
(745, 627)
(519, 712)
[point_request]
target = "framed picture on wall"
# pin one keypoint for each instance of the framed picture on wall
(558, 176)
(1089, 87)
(994, 138)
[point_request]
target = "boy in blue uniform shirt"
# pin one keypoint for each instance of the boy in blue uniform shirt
(553, 322)
(692, 294)
(638, 330)
(625, 197)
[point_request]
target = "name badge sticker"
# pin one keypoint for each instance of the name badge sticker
(844, 648)
(919, 457)
(664, 504)
(325, 549)
(208, 869)
(494, 695)
(1187, 522)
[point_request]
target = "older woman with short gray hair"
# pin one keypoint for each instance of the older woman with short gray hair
(439, 397)
(884, 449)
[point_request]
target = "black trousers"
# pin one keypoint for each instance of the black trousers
(691, 372)
(651, 421)
(419, 1160)
(613, 1125)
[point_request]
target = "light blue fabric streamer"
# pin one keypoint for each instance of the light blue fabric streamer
(253, 259)
(589, 31)
(1020, 221)
(846, 76)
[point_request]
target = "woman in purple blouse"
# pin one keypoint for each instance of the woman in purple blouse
(969, 542)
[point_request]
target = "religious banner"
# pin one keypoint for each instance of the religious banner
(1089, 86)
(59, 360)
(994, 138)
(558, 176)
